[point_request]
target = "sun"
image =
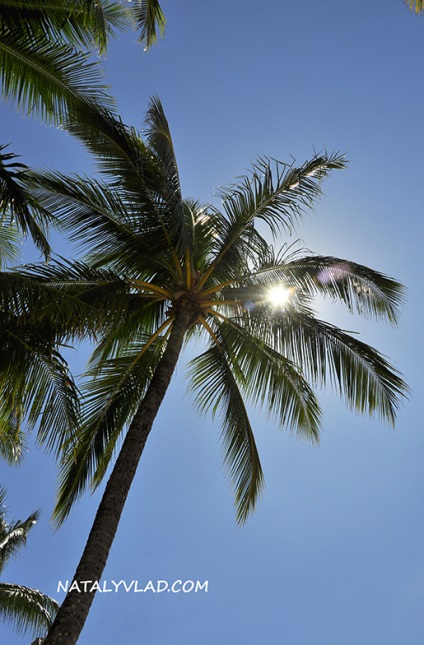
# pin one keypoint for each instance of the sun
(279, 296)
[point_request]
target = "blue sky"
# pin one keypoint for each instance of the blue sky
(333, 554)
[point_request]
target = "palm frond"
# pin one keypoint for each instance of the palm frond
(13, 534)
(86, 23)
(277, 194)
(362, 376)
(61, 309)
(363, 290)
(9, 243)
(18, 207)
(125, 233)
(111, 399)
(270, 379)
(149, 18)
(215, 388)
(49, 77)
(201, 226)
(36, 384)
(160, 141)
(143, 180)
(117, 148)
(12, 439)
(26, 610)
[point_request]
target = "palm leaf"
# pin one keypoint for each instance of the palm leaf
(149, 18)
(9, 243)
(124, 235)
(17, 206)
(361, 289)
(13, 534)
(12, 439)
(143, 194)
(360, 373)
(272, 380)
(274, 193)
(215, 388)
(86, 23)
(26, 610)
(67, 308)
(36, 384)
(160, 141)
(111, 399)
(52, 78)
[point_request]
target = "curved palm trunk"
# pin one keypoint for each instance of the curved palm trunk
(74, 610)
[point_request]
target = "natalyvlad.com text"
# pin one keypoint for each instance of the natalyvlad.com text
(133, 586)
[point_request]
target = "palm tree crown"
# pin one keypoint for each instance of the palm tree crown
(160, 254)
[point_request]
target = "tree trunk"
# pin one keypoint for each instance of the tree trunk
(74, 609)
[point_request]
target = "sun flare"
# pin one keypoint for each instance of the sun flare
(279, 296)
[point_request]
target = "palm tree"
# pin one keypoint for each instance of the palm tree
(26, 609)
(169, 270)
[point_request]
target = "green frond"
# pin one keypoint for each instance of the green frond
(118, 149)
(215, 388)
(51, 78)
(18, 208)
(9, 243)
(123, 234)
(201, 226)
(273, 381)
(110, 401)
(149, 18)
(35, 382)
(139, 316)
(275, 193)
(362, 376)
(27, 611)
(86, 23)
(12, 439)
(60, 310)
(364, 290)
(13, 535)
(159, 139)
(142, 196)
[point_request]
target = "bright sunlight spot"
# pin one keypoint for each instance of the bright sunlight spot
(279, 296)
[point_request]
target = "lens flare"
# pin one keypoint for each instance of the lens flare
(279, 296)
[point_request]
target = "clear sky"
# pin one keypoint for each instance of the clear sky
(333, 554)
